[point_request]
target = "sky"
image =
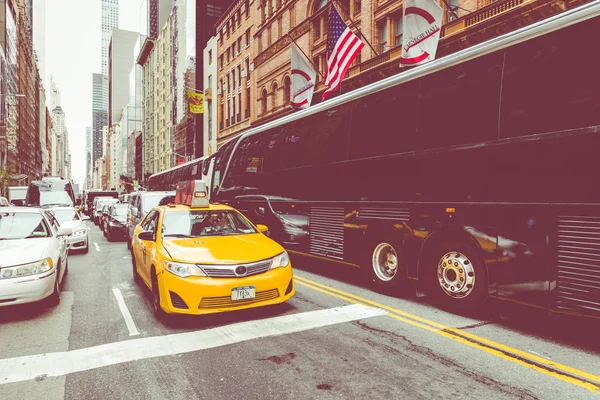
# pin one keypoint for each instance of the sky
(72, 55)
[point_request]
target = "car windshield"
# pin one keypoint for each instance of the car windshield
(120, 211)
(197, 223)
(65, 215)
(58, 197)
(153, 200)
(22, 226)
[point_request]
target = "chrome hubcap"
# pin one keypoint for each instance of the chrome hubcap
(456, 275)
(385, 262)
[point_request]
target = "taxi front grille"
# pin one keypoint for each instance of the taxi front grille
(228, 271)
(226, 302)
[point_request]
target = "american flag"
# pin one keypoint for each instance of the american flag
(342, 47)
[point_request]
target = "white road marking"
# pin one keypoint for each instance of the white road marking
(126, 314)
(97, 247)
(26, 368)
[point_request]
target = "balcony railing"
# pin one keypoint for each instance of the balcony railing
(485, 13)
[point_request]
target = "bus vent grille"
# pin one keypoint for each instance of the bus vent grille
(578, 282)
(392, 214)
(327, 232)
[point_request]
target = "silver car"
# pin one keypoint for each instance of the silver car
(33, 256)
(69, 217)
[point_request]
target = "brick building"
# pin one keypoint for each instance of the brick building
(465, 23)
(235, 32)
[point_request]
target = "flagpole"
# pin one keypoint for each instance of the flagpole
(305, 56)
(354, 25)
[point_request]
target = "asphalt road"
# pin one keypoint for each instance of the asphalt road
(334, 339)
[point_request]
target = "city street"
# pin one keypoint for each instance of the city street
(334, 339)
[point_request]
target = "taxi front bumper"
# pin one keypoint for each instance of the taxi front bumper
(203, 295)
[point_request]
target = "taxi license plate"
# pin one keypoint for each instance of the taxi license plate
(244, 292)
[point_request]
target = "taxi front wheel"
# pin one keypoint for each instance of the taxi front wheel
(158, 311)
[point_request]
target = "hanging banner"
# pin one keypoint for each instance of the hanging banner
(421, 31)
(303, 80)
(196, 101)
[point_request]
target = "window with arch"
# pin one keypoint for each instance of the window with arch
(287, 87)
(263, 101)
(274, 89)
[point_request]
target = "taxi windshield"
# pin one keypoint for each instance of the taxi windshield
(197, 223)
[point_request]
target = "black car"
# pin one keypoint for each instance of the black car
(116, 222)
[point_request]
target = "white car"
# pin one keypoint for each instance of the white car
(33, 256)
(69, 217)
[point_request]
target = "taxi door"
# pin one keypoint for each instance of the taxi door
(145, 248)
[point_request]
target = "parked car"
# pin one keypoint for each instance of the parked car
(139, 205)
(50, 191)
(4, 202)
(116, 222)
(69, 217)
(33, 256)
(98, 204)
(91, 195)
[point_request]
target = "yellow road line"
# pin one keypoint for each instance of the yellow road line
(540, 364)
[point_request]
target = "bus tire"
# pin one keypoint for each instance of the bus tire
(457, 277)
(386, 266)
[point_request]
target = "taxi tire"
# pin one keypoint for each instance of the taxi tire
(136, 277)
(160, 314)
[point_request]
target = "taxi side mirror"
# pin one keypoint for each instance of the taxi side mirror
(262, 228)
(146, 235)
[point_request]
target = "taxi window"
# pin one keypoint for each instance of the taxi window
(198, 223)
(149, 224)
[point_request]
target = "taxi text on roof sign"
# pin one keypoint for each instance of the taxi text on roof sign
(192, 193)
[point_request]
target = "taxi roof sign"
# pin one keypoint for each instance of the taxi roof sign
(192, 193)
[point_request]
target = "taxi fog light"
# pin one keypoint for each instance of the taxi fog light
(280, 261)
(79, 233)
(34, 268)
(183, 270)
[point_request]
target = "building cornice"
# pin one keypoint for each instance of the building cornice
(145, 51)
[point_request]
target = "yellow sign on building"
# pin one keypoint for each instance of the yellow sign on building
(196, 101)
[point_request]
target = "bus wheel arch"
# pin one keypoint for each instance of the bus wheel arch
(452, 270)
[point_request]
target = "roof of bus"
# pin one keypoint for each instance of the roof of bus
(179, 166)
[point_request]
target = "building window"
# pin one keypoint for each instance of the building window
(247, 69)
(247, 111)
(382, 35)
(259, 43)
(239, 113)
(234, 79)
(356, 7)
(209, 57)
(280, 27)
(233, 50)
(287, 87)
(239, 45)
(247, 8)
(321, 4)
(274, 89)
(263, 101)
(263, 10)
(453, 10)
(317, 63)
(269, 36)
(317, 29)
(228, 83)
(248, 37)
(398, 29)
(228, 54)
(239, 17)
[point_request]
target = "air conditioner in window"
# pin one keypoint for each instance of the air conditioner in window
(218, 91)
(244, 73)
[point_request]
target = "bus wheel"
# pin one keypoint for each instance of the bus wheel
(459, 281)
(386, 266)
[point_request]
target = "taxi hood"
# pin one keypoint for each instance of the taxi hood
(235, 249)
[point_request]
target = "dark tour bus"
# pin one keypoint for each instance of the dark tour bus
(167, 180)
(473, 177)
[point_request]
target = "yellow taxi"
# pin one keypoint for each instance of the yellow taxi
(200, 258)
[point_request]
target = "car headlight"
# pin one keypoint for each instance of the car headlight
(280, 261)
(81, 232)
(34, 268)
(183, 270)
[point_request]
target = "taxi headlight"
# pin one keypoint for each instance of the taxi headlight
(79, 233)
(183, 270)
(280, 261)
(34, 268)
